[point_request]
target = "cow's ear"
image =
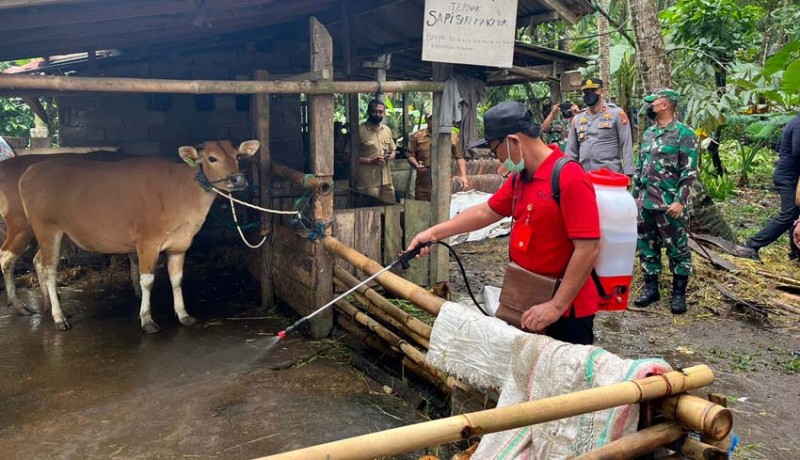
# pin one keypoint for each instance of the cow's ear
(189, 155)
(248, 148)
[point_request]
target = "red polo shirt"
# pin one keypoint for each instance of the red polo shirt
(552, 228)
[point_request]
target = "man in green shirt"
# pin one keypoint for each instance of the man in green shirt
(664, 173)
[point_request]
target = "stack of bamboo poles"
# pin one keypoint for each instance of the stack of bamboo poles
(690, 426)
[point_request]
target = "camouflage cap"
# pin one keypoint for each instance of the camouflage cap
(591, 83)
(670, 94)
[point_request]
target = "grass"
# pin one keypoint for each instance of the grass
(792, 366)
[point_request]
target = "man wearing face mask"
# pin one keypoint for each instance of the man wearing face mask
(559, 240)
(599, 136)
(558, 130)
(665, 171)
(376, 150)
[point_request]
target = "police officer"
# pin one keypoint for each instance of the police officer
(599, 136)
(665, 171)
(558, 129)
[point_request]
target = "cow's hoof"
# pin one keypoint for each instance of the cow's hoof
(150, 327)
(63, 325)
(187, 320)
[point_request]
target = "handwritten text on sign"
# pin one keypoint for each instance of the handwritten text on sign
(479, 32)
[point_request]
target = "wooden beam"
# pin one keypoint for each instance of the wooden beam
(350, 70)
(36, 105)
(533, 19)
(152, 85)
(532, 74)
(260, 104)
(65, 150)
(320, 110)
(562, 10)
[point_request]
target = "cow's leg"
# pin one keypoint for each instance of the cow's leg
(147, 264)
(175, 266)
(137, 288)
(49, 250)
(42, 276)
(15, 243)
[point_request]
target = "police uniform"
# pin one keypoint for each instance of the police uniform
(665, 171)
(601, 140)
(419, 147)
(376, 179)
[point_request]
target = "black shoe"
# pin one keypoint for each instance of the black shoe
(650, 292)
(678, 305)
(749, 253)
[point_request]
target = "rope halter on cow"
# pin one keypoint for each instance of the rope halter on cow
(208, 186)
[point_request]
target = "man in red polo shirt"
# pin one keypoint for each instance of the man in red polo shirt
(548, 239)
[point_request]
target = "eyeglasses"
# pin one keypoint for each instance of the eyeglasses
(493, 149)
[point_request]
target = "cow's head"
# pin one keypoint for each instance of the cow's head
(219, 162)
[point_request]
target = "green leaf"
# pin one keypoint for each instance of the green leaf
(791, 78)
(779, 60)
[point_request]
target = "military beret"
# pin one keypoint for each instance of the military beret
(670, 94)
(591, 83)
(506, 118)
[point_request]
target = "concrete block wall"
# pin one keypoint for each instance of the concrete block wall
(125, 120)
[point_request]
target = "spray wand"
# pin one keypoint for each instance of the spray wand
(403, 260)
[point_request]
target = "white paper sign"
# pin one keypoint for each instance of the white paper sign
(478, 32)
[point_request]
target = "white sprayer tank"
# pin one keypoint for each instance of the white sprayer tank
(618, 236)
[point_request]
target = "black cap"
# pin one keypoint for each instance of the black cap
(506, 118)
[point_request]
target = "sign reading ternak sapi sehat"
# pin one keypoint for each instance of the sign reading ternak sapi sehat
(473, 32)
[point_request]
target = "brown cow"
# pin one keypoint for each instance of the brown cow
(19, 233)
(142, 205)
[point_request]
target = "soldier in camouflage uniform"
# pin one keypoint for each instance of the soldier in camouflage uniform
(556, 129)
(665, 171)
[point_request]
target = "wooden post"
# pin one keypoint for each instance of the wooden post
(261, 126)
(320, 108)
(351, 67)
(440, 177)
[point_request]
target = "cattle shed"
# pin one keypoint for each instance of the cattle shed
(149, 76)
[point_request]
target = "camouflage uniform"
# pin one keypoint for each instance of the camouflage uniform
(665, 170)
(557, 134)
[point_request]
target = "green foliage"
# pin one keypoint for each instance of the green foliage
(720, 187)
(712, 29)
(16, 118)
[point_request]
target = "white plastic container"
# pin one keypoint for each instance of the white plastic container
(618, 235)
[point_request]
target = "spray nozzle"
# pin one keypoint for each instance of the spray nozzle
(406, 257)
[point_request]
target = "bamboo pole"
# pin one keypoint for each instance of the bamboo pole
(154, 85)
(698, 414)
(384, 316)
(414, 324)
(783, 279)
(413, 437)
(636, 444)
(696, 450)
(390, 281)
(412, 354)
(312, 184)
(373, 341)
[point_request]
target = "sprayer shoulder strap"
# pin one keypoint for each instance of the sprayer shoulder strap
(555, 190)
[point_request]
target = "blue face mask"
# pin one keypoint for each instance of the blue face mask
(510, 165)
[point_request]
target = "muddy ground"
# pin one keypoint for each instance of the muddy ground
(107, 390)
(755, 361)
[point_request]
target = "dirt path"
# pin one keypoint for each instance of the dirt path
(755, 364)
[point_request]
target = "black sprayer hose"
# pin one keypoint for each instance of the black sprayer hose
(463, 275)
(403, 260)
